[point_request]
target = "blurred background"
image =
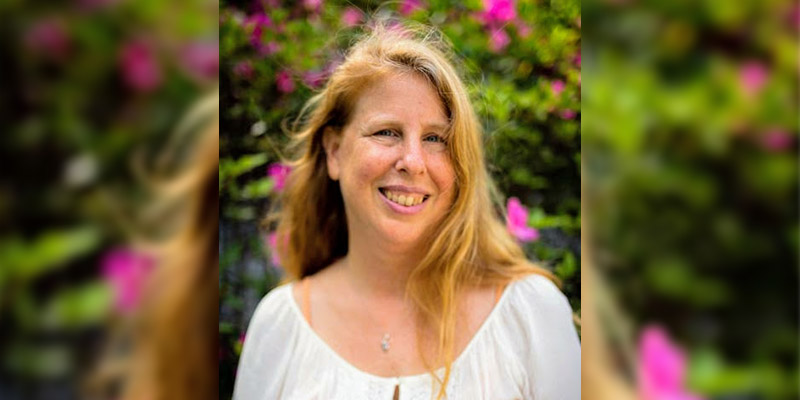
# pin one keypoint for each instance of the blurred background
(689, 183)
(90, 89)
(690, 124)
(522, 63)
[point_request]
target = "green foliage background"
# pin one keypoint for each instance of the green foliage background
(532, 132)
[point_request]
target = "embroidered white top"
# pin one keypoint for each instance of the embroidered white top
(527, 348)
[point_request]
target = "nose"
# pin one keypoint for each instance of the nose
(411, 160)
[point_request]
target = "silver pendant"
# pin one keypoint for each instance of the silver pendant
(385, 343)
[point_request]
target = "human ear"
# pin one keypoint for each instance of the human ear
(330, 141)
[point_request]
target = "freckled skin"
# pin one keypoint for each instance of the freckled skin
(394, 137)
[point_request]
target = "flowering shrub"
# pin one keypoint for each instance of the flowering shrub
(522, 66)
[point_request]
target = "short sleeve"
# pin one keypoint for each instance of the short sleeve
(550, 348)
(265, 352)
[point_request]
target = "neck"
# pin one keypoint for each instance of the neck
(380, 271)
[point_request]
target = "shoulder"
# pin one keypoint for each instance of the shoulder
(274, 319)
(536, 292)
(265, 351)
(274, 305)
(538, 318)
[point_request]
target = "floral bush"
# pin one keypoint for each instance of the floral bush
(522, 62)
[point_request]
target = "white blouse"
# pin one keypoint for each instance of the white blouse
(527, 348)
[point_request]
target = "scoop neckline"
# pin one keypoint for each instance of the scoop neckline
(405, 378)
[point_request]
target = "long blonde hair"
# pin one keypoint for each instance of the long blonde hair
(470, 247)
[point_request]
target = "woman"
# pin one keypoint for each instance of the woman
(405, 283)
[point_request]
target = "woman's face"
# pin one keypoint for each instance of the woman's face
(391, 160)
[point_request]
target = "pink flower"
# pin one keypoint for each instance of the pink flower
(200, 60)
(284, 82)
(523, 30)
(48, 37)
(568, 114)
(409, 6)
(278, 173)
(517, 221)
(259, 22)
(270, 48)
(577, 59)
(243, 69)
(127, 272)
(557, 86)
(314, 6)
(314, 79)
(272, 244)
(498, 12)
(777, 140)
(140, 68)
(662, 367)
(752, 77)
(351, 17)
(498, 40)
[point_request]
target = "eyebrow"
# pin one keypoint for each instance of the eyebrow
(390, 121)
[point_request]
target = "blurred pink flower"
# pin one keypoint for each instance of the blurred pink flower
(278, 172)
(557, 86)
(258, 22)
(284, 82)
(270, 48)
(498, 40)
(140, 68)
(662, 367)
(200, 60)
(272, 244)
(523, 30)
(777, 140)
(752, 76)
(127, 272)
(314, 79)
(243, 69)
(577, 59)
(351, 17)
(794, 16)
(498, 12)
(409, 6)
(568, 114)
(517, 221)
(47, 37)
(314, 6)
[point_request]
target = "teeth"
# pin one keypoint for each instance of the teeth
(404, 199)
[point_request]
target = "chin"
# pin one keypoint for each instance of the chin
(400, 234)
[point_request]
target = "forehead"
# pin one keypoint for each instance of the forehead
(406, 97)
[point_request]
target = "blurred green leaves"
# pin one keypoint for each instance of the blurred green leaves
(22, 260)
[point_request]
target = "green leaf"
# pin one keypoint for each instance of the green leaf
(27, 260)
(79, 306)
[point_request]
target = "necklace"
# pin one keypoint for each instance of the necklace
(385, 348)
(385, 342)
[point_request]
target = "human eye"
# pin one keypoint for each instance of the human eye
(385, 132)
(434, 139)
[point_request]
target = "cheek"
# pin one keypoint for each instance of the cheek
(368, 163)
(444, 176)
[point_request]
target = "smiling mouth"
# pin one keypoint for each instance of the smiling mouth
(404, 199)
